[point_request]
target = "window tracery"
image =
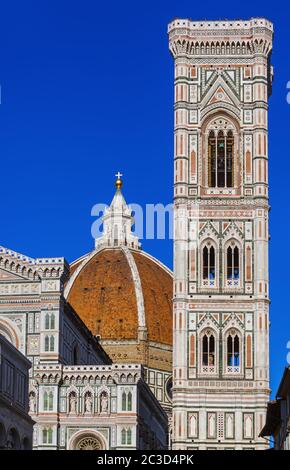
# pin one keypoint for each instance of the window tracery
(233, 352)
(48, 401)
(209, 264)
(220, 138)
(208, 352)
(88, 443)
(127, 401)
(233, 264)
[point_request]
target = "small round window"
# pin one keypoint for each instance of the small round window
(168, 388)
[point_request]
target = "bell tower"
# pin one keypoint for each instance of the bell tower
(221, 290)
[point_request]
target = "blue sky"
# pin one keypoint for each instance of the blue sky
(87, 89)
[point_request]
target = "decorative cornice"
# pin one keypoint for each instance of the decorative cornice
(253, 24)
(225, 38)
(33, 268)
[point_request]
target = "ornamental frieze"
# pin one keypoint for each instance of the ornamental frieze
(20, 289)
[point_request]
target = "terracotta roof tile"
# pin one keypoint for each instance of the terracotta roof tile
(157, 286)
(103, 295)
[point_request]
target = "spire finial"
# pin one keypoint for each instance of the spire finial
(118, 182)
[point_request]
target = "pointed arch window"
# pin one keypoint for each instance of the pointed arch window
(45, 401)
(48, 401)
(124, 401)
(47, 321)
(208, 353)
(220, 159)
(208, 350)
(126, 436)
(123, 436)
(44, 436)
(129, 436)
(129, 401)
(233, 264)
(49, 436)
(209, 264)
(46, 343)
(233, 345)
(51, 343)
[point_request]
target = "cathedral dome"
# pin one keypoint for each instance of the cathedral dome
(123, 294)
(120, 293)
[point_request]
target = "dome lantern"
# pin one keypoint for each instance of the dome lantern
(117, 222)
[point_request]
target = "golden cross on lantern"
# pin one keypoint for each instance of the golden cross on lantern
(118, 182)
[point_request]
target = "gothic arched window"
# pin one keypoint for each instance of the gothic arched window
(124, 401)
(129, 436)
(45, 401)
(52, 321)
(47, 321)
(51, 343)
(44, 436)
(123, 436)
(233, 263)
(46, 344)
(129, 401)
(49, 436)
(208, 256)
(126, 436)
(208, 350)
(233, 352)
(50, 401)
(220, 159)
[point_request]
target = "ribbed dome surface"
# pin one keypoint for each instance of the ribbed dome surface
(117, 291)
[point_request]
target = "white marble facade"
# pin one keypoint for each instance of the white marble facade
(73, 385)
(96, 407)
(221, 290)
